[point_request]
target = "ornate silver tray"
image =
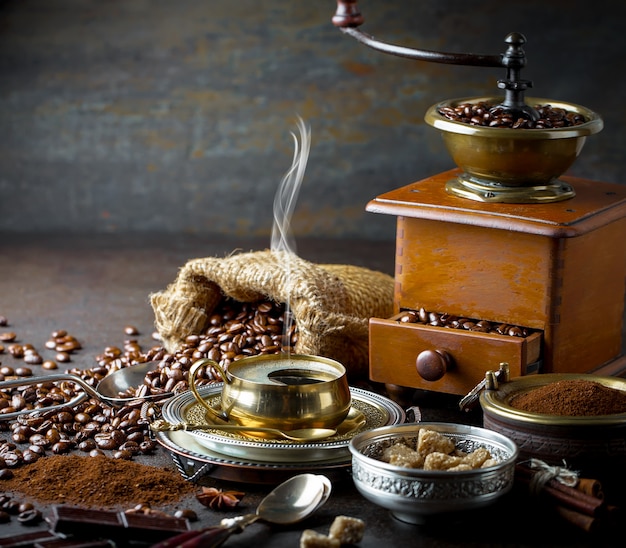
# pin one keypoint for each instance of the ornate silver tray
(195, 461)
(378, 411)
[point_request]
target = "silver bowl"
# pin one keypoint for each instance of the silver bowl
(414, 495)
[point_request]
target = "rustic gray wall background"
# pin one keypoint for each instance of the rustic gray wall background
(175, 116)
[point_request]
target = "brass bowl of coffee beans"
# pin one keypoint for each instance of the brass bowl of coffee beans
(504, 159)
(576, 419)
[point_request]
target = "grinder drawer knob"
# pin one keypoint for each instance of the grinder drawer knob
(432, 365)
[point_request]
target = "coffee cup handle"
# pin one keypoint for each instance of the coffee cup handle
(193, 371)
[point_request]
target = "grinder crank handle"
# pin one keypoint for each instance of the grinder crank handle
(348, 17)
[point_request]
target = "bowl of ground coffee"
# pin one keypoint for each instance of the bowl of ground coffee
(577, 419)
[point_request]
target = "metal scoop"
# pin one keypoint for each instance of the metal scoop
(108, 389)
(290, 502)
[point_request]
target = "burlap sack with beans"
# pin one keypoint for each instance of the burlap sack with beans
(331, 303)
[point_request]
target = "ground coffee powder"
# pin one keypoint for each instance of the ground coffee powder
(575, 397)
(98, 481)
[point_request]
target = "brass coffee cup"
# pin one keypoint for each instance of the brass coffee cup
(284, 391)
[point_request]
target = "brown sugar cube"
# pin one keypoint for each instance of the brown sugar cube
(402, 455)
(414, 460)
(441, 461)
(488, 463)
(347, 530)
(313, 539)
(460, 467)
(429, 441)
(476, 458)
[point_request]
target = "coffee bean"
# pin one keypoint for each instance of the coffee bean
(131, 330)
(105, 441)
(186, 513)
(16, 350)
(30, 517)
(11, 506)
(29, 456)
(124, 454)
(87, 445)
(12, 458)
(61, 447)
(25, 507)
(147, 446)
(7, 336)
(6, 473)
(33, 358)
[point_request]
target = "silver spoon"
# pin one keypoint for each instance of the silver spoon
(127, 378)
(293, 500)
(108, 389)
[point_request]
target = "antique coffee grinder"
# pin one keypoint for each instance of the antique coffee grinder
(502, 259)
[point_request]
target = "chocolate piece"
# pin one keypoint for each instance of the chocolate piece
(27, 539)
(74, 543)
(88, 523)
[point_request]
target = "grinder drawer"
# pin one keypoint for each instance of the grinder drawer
(399, 351)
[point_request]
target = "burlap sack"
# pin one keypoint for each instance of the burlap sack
(331, 303)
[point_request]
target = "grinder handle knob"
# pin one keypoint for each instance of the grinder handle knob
(348, 14)
(432, 365)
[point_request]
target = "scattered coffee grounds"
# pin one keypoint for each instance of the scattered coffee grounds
(98, 481)
(577, 397)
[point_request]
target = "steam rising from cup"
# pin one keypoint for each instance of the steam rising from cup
(285, 200)
(287, 194)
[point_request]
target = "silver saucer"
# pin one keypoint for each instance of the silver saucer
(378, 411)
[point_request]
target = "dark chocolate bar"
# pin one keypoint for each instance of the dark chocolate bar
(94, 524)
(27, 539)
(74, 543)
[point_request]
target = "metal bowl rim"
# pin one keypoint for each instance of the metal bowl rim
(491, 401)
(488, 437)
(259, 360)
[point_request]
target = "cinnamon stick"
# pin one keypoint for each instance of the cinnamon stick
(582, 521)
(591, 487)
(564, 495)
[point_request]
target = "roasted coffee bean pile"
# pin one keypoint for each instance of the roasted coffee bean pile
(489, 115)
(457, 322)
(236, 330)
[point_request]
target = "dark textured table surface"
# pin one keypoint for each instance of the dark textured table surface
(94, 287)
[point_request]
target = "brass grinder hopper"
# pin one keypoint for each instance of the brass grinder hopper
(525, 264)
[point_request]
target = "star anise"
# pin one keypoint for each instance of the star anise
(217, 499)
